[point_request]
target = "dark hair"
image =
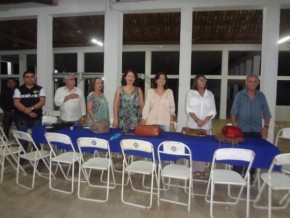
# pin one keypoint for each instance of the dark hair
(28, 71)
(157, 76)
(93, 83)
(13, 79)
(124, 82)
(194, 84)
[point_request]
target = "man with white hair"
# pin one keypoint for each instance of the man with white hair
(71, 101)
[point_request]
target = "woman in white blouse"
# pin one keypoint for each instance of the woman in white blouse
(200, 109)
(159, 106)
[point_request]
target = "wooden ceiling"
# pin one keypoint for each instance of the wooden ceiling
(209, 27)
(47, 2)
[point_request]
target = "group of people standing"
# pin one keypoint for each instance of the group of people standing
(23, 105)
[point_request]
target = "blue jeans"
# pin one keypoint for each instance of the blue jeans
(26, 124)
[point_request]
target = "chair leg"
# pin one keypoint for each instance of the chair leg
(269, 201)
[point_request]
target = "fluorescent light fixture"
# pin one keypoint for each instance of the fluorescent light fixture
(285, 39)
(95, 41)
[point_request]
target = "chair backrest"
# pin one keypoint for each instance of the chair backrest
(54, 113)
(237, 154)
(282, 159)
(282, 133)
(49, 120)
(21, 136)
(177, 149)
(94, 143)
(137, 145)
(3, 137)
(52, 138)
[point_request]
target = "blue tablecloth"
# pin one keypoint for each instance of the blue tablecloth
(202, 148)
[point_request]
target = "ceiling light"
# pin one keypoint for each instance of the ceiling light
(95, 41)
(285, 39)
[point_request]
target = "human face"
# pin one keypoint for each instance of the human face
(70, 82)
(201, 82)
(252, 83)
(130, 78)
(29, 79)
(11, 84)
(161, 80)
(98, 86)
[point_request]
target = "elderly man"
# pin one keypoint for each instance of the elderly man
(249, 108)
(71, 101)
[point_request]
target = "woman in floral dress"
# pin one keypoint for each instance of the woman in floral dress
(128, 102)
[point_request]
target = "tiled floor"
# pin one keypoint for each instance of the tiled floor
(42, 202)
(17, 202)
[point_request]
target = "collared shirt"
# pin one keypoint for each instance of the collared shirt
(29, 97)
(202, 106)
(250, 112)
(72, 109)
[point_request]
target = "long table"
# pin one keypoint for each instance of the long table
(202, 148)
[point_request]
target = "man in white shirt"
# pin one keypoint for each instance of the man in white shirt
(71, 101)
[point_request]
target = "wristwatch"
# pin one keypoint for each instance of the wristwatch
(32, 108)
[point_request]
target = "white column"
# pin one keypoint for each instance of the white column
(81, 70)
(184, 63)
(224, 85)
(148, 63)
(22, 67)
(249, 67)
(256, 64)
(242, 69)
(112, 54)
(45, 58)
(269, 63)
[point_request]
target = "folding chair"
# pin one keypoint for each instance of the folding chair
(8, 152)
(68, 158)
(283, 133)
(226, 176)
(95, 163)
(132, 164)
(275, 180)
(33, 157)
(48, 120)
(166, 150)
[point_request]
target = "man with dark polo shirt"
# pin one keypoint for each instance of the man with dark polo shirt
(6, 102)
(29, 100)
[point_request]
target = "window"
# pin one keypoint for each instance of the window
(206, 62)
(94, 62)
(167, 62)
(64, 63)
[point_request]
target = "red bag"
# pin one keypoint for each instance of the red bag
(147, 130)
(232, 132)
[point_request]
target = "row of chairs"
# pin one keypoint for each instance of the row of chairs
(161, 172)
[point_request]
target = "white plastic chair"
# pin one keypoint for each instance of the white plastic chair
(228, 177)
(8, 152)
(175, 171)
(275, 180)
(33, 157)
(49, 120)
(68, 158)
(138, 166)
(95, 163)
(283, 133)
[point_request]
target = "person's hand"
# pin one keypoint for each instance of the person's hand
(200, 123)
(264, 133)
(172, 127)
(83, 121)
(32, 114)
(73, 95)
(115, 124)
(142, 122)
